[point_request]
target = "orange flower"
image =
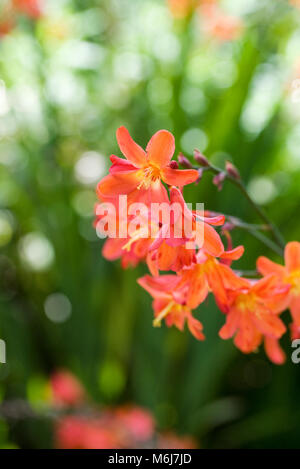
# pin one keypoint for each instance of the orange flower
(295, 3)
(210, 274)
(66, 389)
(6, 27)
(30, 8)
(167, 257)
(139, 175)
(170, 303)
(253, 316)
(287, 275)
(138, 422)
(181, 8)
(220, 25)
(77, 432)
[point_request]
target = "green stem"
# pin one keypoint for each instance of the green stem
(280, 243)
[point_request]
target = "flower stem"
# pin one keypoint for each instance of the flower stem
(279, 243)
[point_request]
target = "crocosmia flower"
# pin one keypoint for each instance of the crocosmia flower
(138, 422)
(141, 174)
(286, 275)
(170, 303)
(66, 389)
(74, 432)
(210, 274)
(253, 316)
(31, 8)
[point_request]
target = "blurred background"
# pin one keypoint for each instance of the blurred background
(224, 79)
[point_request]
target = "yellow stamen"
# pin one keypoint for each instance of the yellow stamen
(149, 174)
(294, 280)
(136, 235)
(163, 314)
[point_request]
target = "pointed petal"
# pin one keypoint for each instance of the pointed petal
(274, 351)
(176, 197)
(166, 256)
(152, 264)
(111, 186)
(292, 256)
(231, 325)
(216, 221)
(248, 337)
(295, 310)
(267, 267)
(215, 281)
(232, 281)
(268, 323)
(160, 286)
(265, 287)
(119, 165)
(234, 254)
(179, 177)
(131, 150)
(195, 327)
(160, 148)
(212, 241)
(112, 248)
(198, 291)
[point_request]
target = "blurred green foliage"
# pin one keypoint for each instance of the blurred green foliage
(68, 81)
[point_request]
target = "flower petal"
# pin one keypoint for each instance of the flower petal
(216, 221)
(113, 185)
(268, 323)
(231, 325)
(198, 290)
(248, 337)
(131, 150)
(234, 254)
(112, 248)
(232, 281)
(179, 177)
(215, 281)
(274, 351)
(119, 165)
(160, 148)
(212, 241)
(160, 286)
(267, 267)
(195, 327)
(292, 256)
(295, 310)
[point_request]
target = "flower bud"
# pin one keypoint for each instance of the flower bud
(232, 170)
(173, 164)
(201, 159)
(200, 172)
(219, 179)
(184, 161)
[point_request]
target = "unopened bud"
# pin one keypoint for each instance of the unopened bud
(183, 161)
(200, 158)
(219, 179)
(200, 174)
(173, 164)
(232, 170)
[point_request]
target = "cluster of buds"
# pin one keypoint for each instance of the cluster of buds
(158, 227)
